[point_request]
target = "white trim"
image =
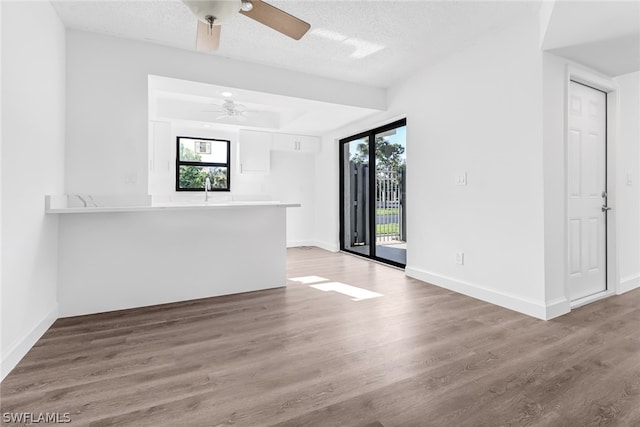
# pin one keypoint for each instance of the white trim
(591, 298)
(591, 78)
(527, 306)
(628, 283)
(327, 246)
(348, 130)
(19, 348)
(557, 307)
(298, 243)
(613, 126)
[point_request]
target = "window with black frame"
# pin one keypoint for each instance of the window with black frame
(200, 158)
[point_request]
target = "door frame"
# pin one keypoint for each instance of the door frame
(611, 89)
(372, 184)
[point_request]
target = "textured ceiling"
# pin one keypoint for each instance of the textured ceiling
(370, 42)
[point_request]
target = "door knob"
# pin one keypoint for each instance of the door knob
(605, 208)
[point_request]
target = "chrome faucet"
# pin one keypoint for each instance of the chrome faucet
(207, 188)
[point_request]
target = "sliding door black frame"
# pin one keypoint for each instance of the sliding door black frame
(371, 135)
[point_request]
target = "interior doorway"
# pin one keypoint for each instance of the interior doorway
(587, 191)
(373, 194)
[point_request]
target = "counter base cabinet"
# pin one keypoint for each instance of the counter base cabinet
(254, 151)
(115, 261)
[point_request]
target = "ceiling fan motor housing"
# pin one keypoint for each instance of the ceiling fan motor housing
(223, 11)
(231, 108)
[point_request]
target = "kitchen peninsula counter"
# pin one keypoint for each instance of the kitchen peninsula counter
(119, 257)
(172, 206)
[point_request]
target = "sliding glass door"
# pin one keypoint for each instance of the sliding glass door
(355, 196)
(373, 195)
(390, 194)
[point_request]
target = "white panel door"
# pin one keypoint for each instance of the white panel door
(586, 191)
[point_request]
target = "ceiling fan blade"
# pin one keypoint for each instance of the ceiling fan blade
(208, 37)
(277, 19)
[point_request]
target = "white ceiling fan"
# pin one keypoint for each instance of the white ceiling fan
(230, 109)
(212, 14)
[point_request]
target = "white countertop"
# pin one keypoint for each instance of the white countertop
(170, 206)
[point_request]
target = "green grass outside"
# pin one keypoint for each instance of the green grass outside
(390, 211)
(391, 228)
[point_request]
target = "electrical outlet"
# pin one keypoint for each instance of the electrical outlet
(131, 178)
(460, 258)
(461, 179)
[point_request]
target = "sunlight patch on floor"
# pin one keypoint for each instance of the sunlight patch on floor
(357, 294)
(306, 280)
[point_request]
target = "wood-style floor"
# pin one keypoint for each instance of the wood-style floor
(418, 356)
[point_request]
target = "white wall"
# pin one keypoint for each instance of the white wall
(33, 109)
(480, 112)
(291, 180)
(107, 103)
(628, 181)
(554, 87)
(327, 187)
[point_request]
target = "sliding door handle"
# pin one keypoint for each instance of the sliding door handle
(605, 208)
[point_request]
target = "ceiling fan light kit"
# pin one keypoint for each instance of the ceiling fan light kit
(212, 14)
(222, 12)
(233, 109)
(230, 109)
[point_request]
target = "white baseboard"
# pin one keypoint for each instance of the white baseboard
(557, 307)
(331, 247)
(21, 347)
(526, 306)
(298, 243)
(590, 298)
(628, 283)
